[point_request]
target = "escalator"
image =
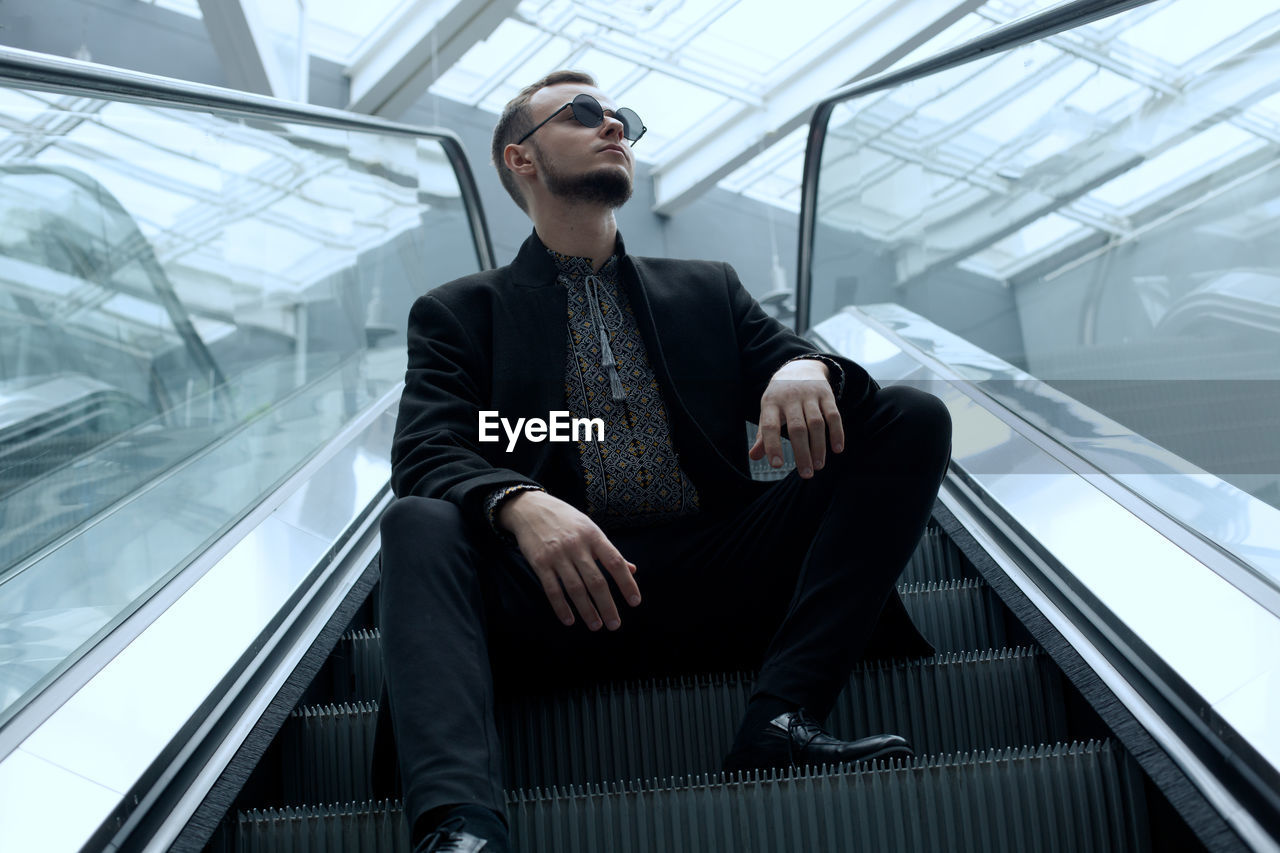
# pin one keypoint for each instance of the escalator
(1010, 756)
(1055, 716)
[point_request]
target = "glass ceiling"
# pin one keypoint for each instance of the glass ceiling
(981, 142)
(726, 95)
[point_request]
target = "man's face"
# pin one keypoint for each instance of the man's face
(579, 163)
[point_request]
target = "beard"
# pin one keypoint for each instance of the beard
(606, 187)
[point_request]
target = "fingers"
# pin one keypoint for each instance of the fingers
(590, 593)
(812, 420)
(550, 580)
(579, 578)
(807, 429)
(769, 436)
(617, 566)
(835, 424)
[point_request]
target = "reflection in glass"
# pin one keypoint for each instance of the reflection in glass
(191, 305)
(1098, 209)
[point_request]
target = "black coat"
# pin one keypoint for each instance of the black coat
(496, 340)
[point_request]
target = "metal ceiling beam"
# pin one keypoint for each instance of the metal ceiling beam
(242, 42)
(397, 66)
(870, 46)
(1165, 122)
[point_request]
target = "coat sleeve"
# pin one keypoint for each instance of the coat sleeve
(764, 345)
(436, 452)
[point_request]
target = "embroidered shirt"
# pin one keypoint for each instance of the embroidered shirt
(634, 476)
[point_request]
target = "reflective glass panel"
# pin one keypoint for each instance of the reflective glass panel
(191, 305)
(1097, 209)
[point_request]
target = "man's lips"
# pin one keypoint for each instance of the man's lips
(617, 148)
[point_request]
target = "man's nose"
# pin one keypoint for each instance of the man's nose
(612, 126)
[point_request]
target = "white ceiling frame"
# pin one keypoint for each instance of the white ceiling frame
(1108, 156)
(393, 70)
(725, 146)
(242, 42)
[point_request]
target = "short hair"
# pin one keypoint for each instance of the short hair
(515, 122)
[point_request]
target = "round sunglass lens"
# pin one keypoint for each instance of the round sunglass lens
(587, 111)
(631, 123)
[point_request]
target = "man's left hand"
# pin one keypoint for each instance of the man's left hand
(799, 395)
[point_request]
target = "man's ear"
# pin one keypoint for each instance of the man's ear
(518, 161)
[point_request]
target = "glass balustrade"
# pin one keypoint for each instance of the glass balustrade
(1099, 210)
(192, 304)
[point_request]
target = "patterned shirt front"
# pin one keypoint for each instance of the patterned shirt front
(634, 476)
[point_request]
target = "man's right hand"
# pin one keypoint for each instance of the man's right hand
(562, 545)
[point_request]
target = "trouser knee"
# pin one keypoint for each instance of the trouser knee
(917, 433)
(424, 540)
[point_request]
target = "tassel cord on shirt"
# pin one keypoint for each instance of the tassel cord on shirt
(607, 360)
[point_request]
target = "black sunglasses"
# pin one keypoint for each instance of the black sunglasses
(589, 113)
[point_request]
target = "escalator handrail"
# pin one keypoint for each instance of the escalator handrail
(24, 68)
(1031, 28)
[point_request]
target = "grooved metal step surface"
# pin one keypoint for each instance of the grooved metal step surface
(633, 767)
(1073, 797)
(958, 615)
(681, 726)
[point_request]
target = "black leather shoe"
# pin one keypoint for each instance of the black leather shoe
(796, 739)
(451, 837)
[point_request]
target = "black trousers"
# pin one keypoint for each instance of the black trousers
(792, 584)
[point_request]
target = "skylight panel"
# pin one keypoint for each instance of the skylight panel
(257, 245)
(670, 108)
(914, 96)
(1266, 111)
(953, 105)
(1102, 91)
(1177, 167)
(19, 105)
(359, 19)
(140, 311)
(1034, 106)
(903, 193)
(146, 157)
(754, 34)
(238, 159)
(1053, 143)
(679, 24)
(610, 71)
(1034, 242)
(551, 56)
(967, 28)
(844, 173)
(1179, 32)
(776, 158)
(190, 8)
(190, 135)
(1046, 232)
(153, 207)
(1023, 8)
(466, 77)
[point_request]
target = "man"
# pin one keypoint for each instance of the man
(523, 560)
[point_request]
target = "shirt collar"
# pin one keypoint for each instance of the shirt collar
(574, 268)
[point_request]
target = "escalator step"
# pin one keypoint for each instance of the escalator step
(353, 671)
(328, 750)
(956, 616)
(1076, 797)
(677, 726)
(937, 559)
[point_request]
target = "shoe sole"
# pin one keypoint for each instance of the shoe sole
(887, 752)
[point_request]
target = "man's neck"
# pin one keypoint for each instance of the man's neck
(580, 233)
